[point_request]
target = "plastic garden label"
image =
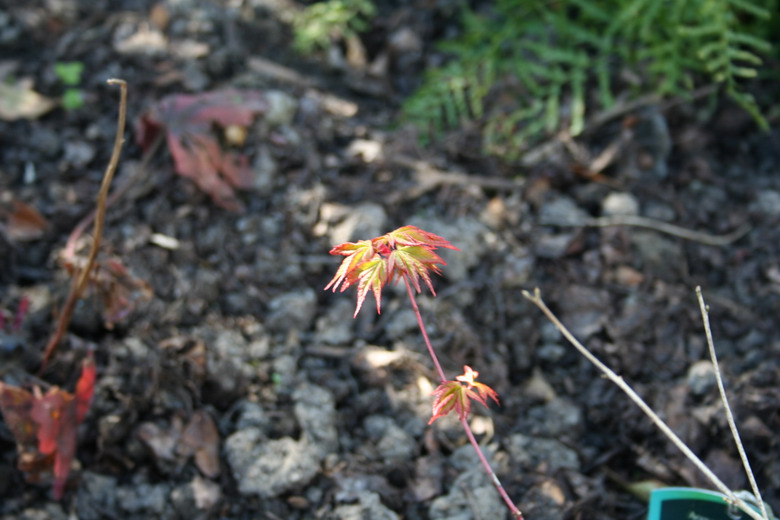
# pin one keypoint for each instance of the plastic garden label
(691, 504)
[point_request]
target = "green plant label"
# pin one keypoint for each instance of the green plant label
(691, 504)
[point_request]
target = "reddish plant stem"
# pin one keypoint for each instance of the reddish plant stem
(420, 323)
(463, 421)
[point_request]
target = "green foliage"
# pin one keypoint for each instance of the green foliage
(533, 66)
(318, 23)
(69, 73)
(72, 99)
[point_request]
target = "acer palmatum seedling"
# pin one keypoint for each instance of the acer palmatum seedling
(408, 254)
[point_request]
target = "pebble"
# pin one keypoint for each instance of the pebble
(701, 378)
(482, 500)
(541, 454)
(620, 204)
(293, 310)
(767, 204)
(281, 108)
(369, 506)
(562, 211)
(268, 468)
(388, 440)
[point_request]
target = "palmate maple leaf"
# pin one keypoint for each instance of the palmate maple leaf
(407, 252)
(457, 395)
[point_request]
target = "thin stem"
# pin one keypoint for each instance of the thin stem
(486, 465)
(78, 285)
(420, 323)
(536, 299)
(729, 415)
(463, 421)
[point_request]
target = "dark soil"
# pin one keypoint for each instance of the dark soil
(318, 415)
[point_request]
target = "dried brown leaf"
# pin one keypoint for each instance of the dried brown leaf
(19, 101)
(24, 222)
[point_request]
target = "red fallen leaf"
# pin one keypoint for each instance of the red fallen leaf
(24, 222)
(197, 155)
(53, 420)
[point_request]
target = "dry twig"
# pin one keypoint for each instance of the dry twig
(536, 299)
(729, 415)
(660, 226)
(80, 281)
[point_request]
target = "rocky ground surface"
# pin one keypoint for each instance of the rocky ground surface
(220, 338)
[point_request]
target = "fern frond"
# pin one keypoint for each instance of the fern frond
(545, 57)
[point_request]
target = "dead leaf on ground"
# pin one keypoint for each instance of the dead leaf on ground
(201, 438)
(23, 222)
(18, 100)
(188, 122)
(198, 439)
(116, 289)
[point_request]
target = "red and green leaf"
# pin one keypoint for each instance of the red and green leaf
(372, 277)
(457, 395)
(356, 254)
(407, 252)
(414, 236)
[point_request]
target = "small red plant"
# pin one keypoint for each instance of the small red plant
(457, 395)
(45, 425)
(408, 253)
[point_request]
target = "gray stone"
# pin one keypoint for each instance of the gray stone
(388, 440)
(151, 500)
(264, 170)
(536, 453)
(620, 204)
(701, 378)
(281, 108)
(315, 410)
(551, 352)
(96, 494)
(401, 323)
(584, 309)
(369, 506)
(562, 211)
(251, 415)
(293, 310)
(79, 153)
(336, 327)
(660, 256)
(767, 203)
(363, 222)
(468, 235)
(553, 245)
(472, 495)
(267, 468)
(559, 418)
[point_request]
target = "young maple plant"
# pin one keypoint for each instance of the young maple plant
(408, 254)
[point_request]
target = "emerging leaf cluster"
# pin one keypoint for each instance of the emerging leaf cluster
(457, 395)
(407, 252)
(319, 22)
(530, 67)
